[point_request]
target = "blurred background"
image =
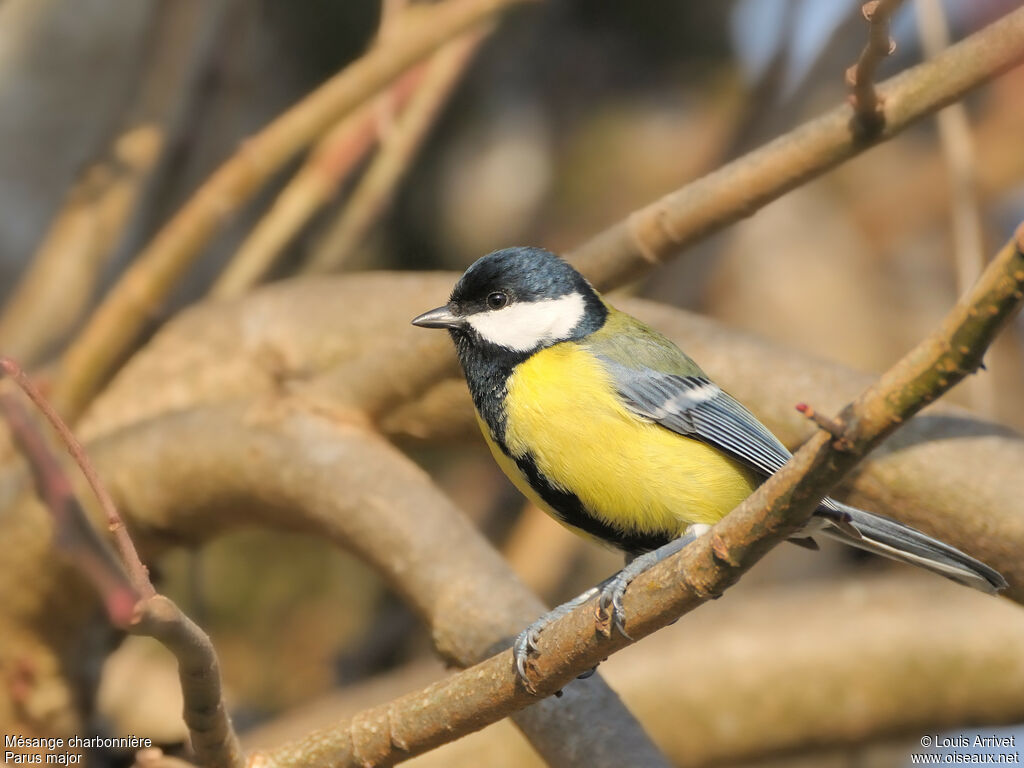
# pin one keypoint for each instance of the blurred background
(565, 118)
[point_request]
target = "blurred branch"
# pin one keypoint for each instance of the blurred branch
(61, 277)
(60, 281)
(138, 574)
(132, 602)
(868, 116)
(330, 163)
(487, 692)
(315, 184)
(116, 325)
(375, 190)
(666, 227)
(307, 469)
(73, 535)
(965, 209)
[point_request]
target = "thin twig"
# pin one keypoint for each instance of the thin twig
(868, 116)
(376, 188)
(213, 738)
(137, 571)
(471, 699)
(316, 183)
(73, 535)
(132, 603)
(119, 320)
(663, 229)
(965, 209)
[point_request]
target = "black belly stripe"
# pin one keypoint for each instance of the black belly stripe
(572, 511)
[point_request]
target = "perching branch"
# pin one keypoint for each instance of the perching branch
(131, 601)
(116, 325)
(665, 228)
(780, 507)
(843, 661)
(868, 116)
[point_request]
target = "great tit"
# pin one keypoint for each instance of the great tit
(616, 433)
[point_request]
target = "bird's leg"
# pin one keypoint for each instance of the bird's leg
(610, 591)
(526, 642)
(614, 588)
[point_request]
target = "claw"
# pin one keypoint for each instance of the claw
(611, 597)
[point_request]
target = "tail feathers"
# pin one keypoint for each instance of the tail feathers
(892, 539)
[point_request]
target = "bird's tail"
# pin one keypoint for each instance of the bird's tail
(889, 538)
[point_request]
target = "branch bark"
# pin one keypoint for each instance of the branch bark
(131, 601)
(868, 115)
(663, 229)
(830, 665)
(110, 333)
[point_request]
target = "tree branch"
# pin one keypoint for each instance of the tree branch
(374, 191)
(868, 116)
(132, 603)
(116, 325)
(310, 469)
(844, 661)
(663, 229)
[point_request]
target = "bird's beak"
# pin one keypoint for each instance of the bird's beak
(442, 317)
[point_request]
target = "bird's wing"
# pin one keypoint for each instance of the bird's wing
(657, 381)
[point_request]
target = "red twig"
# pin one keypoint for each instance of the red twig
(73, 535)
(833, 427)
(137, 571)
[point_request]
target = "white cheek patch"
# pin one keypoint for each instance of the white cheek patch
(523, 326)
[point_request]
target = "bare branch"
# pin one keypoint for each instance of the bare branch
(58, 284)
(115, 326)
(878, 672)
(868, 116)
(663, 229)
(137, 572)
(310, 469)
(73, 535)
(965, 209)
(370, 198)
(213, 738)
(132, 604)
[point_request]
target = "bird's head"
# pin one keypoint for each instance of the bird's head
(519, 300)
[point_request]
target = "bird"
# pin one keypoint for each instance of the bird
(615, 432)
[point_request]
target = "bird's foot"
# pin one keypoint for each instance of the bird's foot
(609, 606)
(610, 612)
(525, 643)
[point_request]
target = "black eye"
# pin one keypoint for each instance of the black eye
(497, 300)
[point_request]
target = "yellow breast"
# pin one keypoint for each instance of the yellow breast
(632, 474)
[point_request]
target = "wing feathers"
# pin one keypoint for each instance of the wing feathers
(696, 407)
